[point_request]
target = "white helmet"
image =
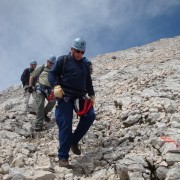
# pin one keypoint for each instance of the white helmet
(33, 62)
(79, 44)
(52, 58)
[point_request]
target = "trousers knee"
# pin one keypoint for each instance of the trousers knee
(91, 116)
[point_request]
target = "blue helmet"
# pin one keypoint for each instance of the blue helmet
(33, 62)
(79, 44)
(52, 58)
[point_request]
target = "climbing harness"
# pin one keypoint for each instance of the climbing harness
(82, 106)
(51, 96)
(46, 90)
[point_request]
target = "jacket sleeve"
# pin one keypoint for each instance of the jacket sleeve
(25, 76)
(89, 85)
(36, 73)
(54, 75)
(89, 64)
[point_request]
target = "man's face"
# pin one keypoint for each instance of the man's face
(33, 66)
(49, 64)
(77, 54)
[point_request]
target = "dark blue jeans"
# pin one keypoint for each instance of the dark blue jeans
(64, 117)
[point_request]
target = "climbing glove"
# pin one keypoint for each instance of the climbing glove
(92, 98)
(58, 92)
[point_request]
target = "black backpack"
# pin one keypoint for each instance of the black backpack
(25, 76)
(87, 62)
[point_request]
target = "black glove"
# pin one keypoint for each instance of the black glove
(30, 89)
(26, 88)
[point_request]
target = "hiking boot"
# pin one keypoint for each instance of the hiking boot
(75, 149)
(64, 163)
(46, 118)
(37, 128)
(32, 112)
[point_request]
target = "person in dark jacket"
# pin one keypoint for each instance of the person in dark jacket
(71, 80)
(25, 82)
(43, 91)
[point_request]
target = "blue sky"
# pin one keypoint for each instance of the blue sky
(35, 29)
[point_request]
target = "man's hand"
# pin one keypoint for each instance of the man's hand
(92, 98)
(58, 92)
(30, 89)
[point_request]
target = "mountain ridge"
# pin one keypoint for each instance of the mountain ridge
(136, 133)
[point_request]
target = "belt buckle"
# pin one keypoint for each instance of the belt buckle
(66, 99)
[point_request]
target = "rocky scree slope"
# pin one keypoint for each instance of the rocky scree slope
(136, 135)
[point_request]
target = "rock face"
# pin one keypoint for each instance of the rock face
(136, 134)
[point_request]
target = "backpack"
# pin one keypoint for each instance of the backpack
(87, 62)
(25, 76)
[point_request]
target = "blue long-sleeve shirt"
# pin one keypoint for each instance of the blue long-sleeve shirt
(72, 75)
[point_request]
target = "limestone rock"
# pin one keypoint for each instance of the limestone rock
(136, 134)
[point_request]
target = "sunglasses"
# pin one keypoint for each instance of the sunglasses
(51, 63)
(77, 51)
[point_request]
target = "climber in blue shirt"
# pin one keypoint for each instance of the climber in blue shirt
(71, 79)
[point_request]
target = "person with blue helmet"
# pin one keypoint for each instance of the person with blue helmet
(43, 91)
(71, 79)
(25, 82)
(26, 73)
